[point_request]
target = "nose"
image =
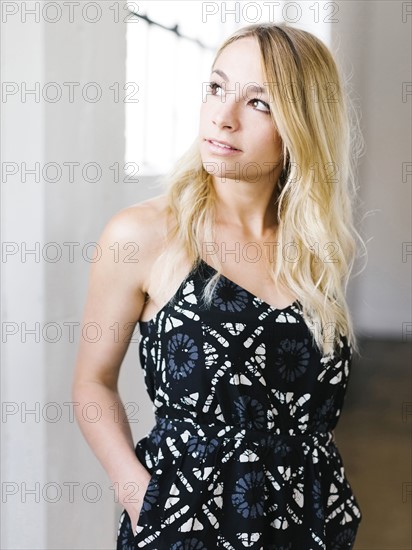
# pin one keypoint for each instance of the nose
(226, 112)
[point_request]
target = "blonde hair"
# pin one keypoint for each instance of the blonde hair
(315, 192)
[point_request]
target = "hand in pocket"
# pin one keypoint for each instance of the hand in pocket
(134, 509)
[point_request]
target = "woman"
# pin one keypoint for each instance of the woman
(239, 292)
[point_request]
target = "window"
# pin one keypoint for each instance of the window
(169, 69)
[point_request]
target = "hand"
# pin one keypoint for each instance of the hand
(134, 508)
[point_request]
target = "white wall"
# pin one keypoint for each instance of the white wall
(24, 297)
(374, 43)
(372, 38)
(39, 451)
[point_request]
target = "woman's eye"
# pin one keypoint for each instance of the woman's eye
(263, 103)
(213, 86)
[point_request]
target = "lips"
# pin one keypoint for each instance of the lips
(223, 144)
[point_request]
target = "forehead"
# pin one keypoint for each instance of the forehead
(241, 61)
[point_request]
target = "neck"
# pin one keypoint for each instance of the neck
(246, 207)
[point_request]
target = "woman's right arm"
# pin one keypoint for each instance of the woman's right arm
(114, 303)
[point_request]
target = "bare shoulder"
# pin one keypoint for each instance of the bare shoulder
(147, 219)
(137, 232)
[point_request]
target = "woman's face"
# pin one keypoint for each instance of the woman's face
(233, 113)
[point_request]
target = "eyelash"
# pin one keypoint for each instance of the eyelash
(213, 85)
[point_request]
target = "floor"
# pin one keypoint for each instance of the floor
(374, 436)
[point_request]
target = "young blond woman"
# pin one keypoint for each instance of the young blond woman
(239, 292)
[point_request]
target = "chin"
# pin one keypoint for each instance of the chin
(211, 167)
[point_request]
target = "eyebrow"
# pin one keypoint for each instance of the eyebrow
(250, 87)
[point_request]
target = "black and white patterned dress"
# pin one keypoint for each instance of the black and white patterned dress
(242, 455)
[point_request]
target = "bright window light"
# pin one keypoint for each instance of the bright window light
(168, 71)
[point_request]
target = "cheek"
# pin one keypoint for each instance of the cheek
(276, 142)
(277, 146)
(203, 116)
(269, 143)
(204, 109)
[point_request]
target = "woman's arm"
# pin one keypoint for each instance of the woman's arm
(114, 303)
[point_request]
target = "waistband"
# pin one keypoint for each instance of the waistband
(179, 422)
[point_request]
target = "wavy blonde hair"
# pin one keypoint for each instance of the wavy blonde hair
(315, 192)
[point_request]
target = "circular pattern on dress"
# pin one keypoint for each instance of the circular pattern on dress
(229, 296)
(182, 355)
(249, 495)
(292, 358)
(249, 413)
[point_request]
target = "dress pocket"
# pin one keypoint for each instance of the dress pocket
(167, 458)
(149, 504)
